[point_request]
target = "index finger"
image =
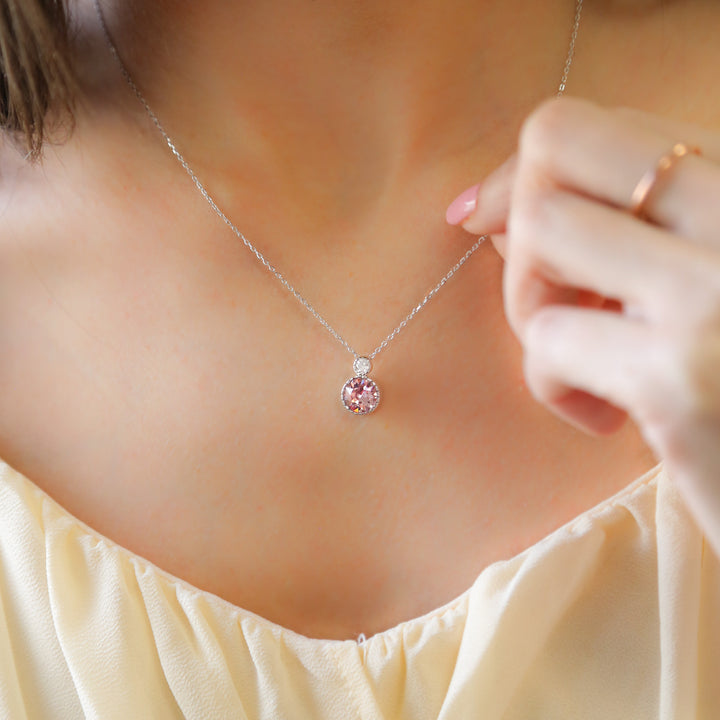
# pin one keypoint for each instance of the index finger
(604, 152)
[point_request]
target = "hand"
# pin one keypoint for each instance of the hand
(616, 315)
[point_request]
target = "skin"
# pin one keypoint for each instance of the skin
(169, 393)
(650, 349)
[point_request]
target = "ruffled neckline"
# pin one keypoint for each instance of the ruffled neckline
(446, 613)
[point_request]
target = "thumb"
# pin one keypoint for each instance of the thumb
(499, 240)
(483, 208)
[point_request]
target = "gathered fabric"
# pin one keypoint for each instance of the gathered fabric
(614, 615)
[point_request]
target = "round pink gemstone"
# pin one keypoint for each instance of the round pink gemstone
(360, 395)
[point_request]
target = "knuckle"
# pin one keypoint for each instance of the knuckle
(545, 129)
(532, 215)
(551, 332)
(687, 294)
(680, 387)
(651, 396)
(680, 404)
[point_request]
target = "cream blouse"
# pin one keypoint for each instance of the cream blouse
(614, 615)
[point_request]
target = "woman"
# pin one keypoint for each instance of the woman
(527, 526)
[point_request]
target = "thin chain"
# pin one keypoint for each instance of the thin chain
(571, 49)
(303, 301)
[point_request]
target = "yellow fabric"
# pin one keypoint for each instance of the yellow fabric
(614, 615)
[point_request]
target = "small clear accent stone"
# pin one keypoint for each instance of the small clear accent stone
(360, 395)
(362, 365)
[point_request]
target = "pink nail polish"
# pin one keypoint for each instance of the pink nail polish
(462, 206)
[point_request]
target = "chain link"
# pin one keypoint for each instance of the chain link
(571, 49)
(303, 301)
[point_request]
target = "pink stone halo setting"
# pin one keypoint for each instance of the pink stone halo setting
(360, 395)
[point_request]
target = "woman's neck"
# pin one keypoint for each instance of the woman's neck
(341, 99)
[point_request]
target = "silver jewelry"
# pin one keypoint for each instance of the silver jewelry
(360, 394)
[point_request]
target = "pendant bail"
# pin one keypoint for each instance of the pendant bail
(362, 366)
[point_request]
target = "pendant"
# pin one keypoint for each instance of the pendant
(360, 395)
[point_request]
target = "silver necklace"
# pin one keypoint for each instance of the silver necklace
(360, 394)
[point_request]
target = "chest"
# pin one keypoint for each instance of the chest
(193, 416)
(170, 393)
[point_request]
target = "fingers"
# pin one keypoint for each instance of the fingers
(489, 216)
(603, 153)
(499, 240)
(691, 133)
(561, 242)
(585, 364)
(617, 315)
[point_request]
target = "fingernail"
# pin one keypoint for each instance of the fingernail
(462, 206)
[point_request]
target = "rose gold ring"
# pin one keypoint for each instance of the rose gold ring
(649, 181)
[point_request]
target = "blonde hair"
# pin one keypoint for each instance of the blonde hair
(36, 69)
